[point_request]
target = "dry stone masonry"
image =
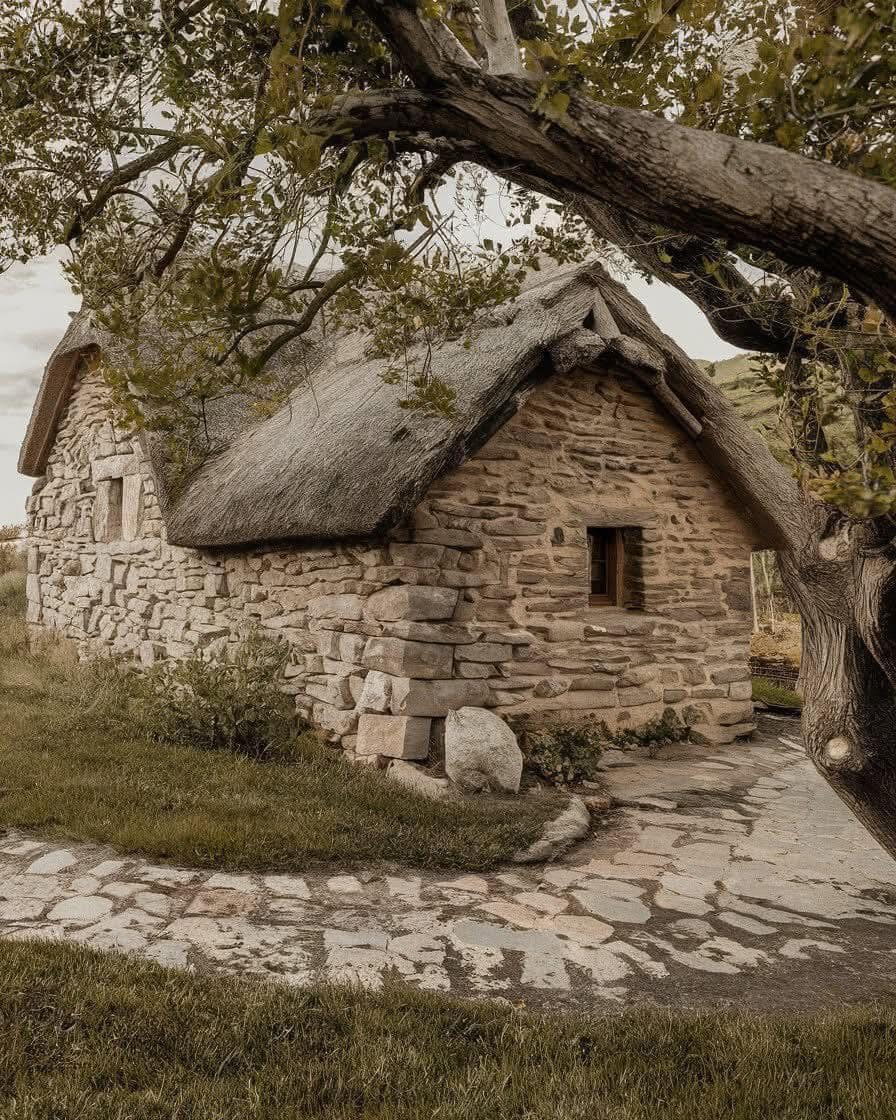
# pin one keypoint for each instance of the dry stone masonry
(479, 600)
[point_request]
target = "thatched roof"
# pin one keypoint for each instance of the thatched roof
(341, 459)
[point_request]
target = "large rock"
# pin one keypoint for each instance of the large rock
(435, 698)
(559, 834)
(377, 694)
(334, 721)
(336, 606)
(417, 780)
(481, 752)
(442, 633)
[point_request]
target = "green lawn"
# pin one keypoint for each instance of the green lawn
(85, 1036)
(74, 765)
(775, 695)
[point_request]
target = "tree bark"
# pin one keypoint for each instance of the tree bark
(847, 675)
(725, 296)
(805, 212)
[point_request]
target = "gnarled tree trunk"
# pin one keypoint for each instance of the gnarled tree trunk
(845, 590)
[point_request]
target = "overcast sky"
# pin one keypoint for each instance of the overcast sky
(34, 305)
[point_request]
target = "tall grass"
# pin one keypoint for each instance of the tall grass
(776, 695)
(85, 1036)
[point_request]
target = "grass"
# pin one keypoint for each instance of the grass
(75, 765)
(775, 695)
(781, 643)
(104, 1037)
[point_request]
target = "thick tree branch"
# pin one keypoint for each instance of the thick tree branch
(724, 295)
(127, 173)
(428, 51)
(806, 213)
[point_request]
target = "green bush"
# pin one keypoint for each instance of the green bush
(564, 753)
(230, 703)
(668, 728)
(568, 753)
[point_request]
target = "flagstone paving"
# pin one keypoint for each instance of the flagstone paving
(723, 876)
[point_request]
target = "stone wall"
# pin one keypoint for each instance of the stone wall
(483, 599)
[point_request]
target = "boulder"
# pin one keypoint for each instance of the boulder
(481, 752)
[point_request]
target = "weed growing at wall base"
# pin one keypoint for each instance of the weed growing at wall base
(567, 753)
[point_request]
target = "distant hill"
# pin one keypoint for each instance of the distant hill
(753, 399)
(759, 406)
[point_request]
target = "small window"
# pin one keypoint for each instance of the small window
(606, 559)
(115, 508)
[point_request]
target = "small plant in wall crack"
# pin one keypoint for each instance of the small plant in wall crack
(657, 733)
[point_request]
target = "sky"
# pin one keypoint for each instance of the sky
(35, 303)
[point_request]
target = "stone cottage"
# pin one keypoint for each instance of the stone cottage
(555, 547)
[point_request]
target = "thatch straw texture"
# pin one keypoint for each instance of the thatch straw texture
(341, 459)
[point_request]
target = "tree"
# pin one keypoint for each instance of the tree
(746, 158)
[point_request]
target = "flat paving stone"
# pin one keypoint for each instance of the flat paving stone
(51, 864)
(720, 878)
(23, 848)
(85, 908)
(288, 886)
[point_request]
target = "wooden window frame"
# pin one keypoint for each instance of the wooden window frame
(614, 596)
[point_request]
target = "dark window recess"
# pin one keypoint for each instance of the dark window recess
(116, 506)
(614, 565)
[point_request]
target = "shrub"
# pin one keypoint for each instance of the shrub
(568, 753)
(231, 703)
(668, 728)
(564, 753)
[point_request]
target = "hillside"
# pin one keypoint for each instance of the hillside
(759, 406)
(752, 398)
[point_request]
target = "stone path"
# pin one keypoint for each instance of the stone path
(727, 875)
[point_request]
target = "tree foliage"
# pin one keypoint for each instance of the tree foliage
(177, 150)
